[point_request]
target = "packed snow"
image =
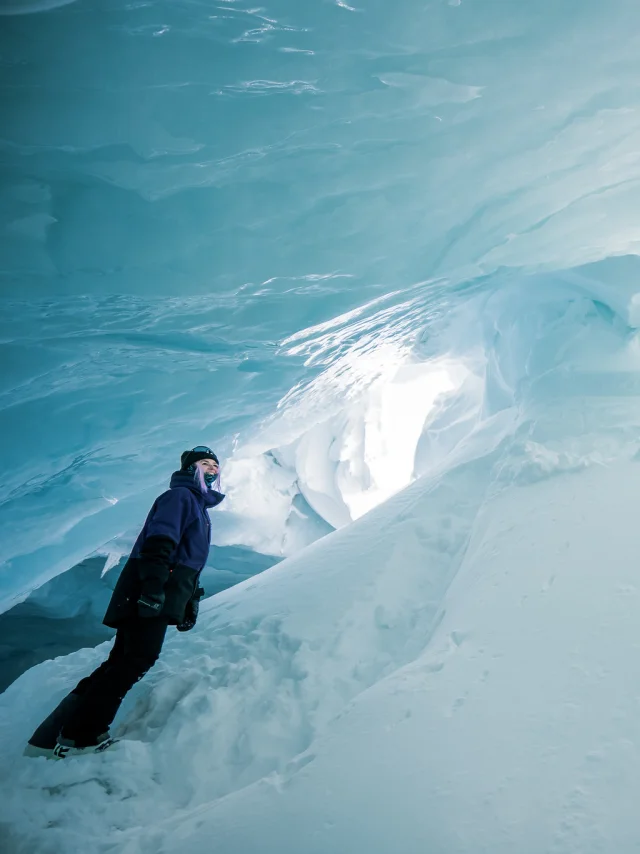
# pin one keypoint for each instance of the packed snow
(454, 672)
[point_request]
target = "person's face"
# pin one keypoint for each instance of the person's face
(208, 467)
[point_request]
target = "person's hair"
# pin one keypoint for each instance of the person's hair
(199, 476)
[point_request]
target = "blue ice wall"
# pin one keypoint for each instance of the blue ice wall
(185, 184)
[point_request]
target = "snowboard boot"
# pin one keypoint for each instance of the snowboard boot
(66, 747)
(45, 738)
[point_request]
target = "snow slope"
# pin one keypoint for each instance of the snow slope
(455, 672)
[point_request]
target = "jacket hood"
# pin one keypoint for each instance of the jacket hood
(210, 498)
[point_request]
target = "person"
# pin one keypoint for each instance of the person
(158, 587)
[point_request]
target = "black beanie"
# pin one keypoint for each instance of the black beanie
(188, 458)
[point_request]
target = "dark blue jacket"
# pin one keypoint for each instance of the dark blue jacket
(170, 552)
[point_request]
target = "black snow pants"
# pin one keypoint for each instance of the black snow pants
(136, 649)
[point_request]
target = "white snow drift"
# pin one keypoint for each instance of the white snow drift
(455, 672)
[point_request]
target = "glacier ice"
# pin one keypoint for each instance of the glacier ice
(384, 260)
(161, 209)
(29, 7)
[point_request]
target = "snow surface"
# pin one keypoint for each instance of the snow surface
(455, 672)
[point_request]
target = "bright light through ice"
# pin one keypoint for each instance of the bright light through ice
(394, 417)
(344, 461)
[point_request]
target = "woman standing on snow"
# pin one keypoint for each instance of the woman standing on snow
(158, 587)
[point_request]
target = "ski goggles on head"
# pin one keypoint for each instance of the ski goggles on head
(201, 452)
(209, 478)
(202, 449)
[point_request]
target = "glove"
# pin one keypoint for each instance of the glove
(150, 604)
(191, 611)
(154, 566)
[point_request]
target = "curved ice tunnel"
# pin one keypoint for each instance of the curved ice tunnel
(353, 436)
